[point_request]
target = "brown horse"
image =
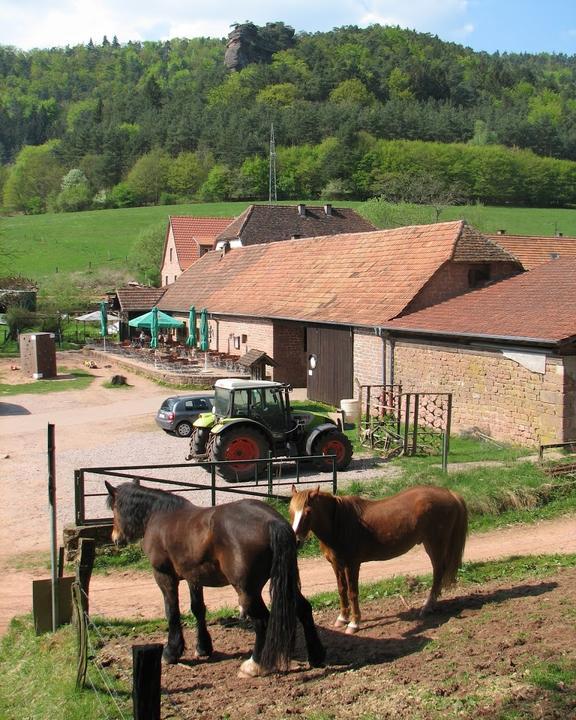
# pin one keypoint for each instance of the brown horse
(352, 530)
(242, 544)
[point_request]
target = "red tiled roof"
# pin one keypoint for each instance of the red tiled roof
(138, 297)
(358, 278)
(260, 224)
(534, 250)
(190, 232)
(539, 304)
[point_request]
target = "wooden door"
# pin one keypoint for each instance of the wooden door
(330, 364)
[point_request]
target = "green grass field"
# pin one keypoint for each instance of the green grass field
(42, 245)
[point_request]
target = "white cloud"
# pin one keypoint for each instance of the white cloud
(424, 15)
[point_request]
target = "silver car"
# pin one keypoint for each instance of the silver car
(177, 413)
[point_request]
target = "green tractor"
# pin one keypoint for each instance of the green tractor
(252, 419)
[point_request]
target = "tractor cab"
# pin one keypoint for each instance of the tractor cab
(262, 401)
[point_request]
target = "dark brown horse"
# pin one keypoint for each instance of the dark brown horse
(242, 544)
(352, 531)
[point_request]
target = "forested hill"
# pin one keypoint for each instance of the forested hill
(107, 105)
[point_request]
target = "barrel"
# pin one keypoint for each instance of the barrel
(351, 411)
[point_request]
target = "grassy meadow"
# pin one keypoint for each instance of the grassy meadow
(41, 246)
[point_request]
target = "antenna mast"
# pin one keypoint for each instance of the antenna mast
(272, 196)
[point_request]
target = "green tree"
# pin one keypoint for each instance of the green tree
(148, 178)
(35, 176)
(352, 92)
(279, 95)
(187, 172)
(217, 185)
(146, 254)
(75, 193)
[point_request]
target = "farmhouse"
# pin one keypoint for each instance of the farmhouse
(131, 301)
(333, 313)
(260, 224)
(187, 239)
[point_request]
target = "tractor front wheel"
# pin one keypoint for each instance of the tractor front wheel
(239, 443)
(336, 443)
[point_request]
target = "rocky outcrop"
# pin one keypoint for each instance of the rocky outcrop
(248, 43)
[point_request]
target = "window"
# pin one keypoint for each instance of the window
(166, 283)
(170, 254)
(478, 275)
(236, 342)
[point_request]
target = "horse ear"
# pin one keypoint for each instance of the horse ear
(314, 493)
(111, 489)
(294, 491)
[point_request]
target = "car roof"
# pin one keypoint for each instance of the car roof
(209, 395)
(239, 384)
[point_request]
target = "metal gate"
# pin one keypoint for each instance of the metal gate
(394, 422)
(330, 362)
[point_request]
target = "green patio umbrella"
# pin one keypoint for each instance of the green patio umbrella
(204, 332)
(191, 339)
(164, 320)
(103, 319)
(154, 328)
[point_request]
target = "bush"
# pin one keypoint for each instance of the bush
(18, 320)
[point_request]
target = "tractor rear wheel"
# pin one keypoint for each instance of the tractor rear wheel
(336, 443)
(239, 443)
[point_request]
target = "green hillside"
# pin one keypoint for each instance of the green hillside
(102, 240)
(111, 125)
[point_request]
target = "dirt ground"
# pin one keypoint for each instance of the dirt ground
(472, 658)
(468, 659)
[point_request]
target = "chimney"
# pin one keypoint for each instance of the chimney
(225, 248)
(295, 236)
(328, 209)
(559, 234)
(302, 210)
(501, 232)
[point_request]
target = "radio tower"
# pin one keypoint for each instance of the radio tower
(272, 196)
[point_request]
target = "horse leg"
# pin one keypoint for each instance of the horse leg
(352, 572)
(314, 648)
(342, 583)
(198, 607)
(436, 556)
(254, 608)
(175, 646)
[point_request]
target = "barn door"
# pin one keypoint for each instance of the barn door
(330, 357)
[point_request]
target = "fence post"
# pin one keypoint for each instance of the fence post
(79, 496)
(146, 672)
(213, 484)
(82, 635)
(269, 468)
(447, 430)
(334, 476)
(84, 565)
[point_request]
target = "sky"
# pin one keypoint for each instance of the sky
(489, 25)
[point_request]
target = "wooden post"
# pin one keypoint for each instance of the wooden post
(146, 673)
(84, 565)
(82, 635)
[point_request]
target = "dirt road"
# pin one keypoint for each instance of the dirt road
(98, 426)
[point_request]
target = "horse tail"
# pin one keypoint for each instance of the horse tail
(456, 541)
(284, 589)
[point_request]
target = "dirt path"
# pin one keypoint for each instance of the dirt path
(95, 426)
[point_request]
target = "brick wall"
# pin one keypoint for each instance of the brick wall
(452, 280)
(289, 353)
(498, 395)
(368, 359)
(258, 334)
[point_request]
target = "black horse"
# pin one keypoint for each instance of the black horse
(242, 544)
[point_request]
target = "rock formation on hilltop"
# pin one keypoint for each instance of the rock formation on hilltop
(248, 43)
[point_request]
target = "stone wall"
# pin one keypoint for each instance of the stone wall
(498, 395)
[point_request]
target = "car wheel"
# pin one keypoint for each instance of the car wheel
(184, 429)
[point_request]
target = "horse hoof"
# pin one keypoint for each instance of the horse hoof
(201, 655)
(340, 623)
(352, 629)
(250, 669)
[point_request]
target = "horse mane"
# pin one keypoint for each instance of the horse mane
(136, 503)
(346, 520)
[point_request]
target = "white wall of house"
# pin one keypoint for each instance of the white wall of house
(170, 267)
